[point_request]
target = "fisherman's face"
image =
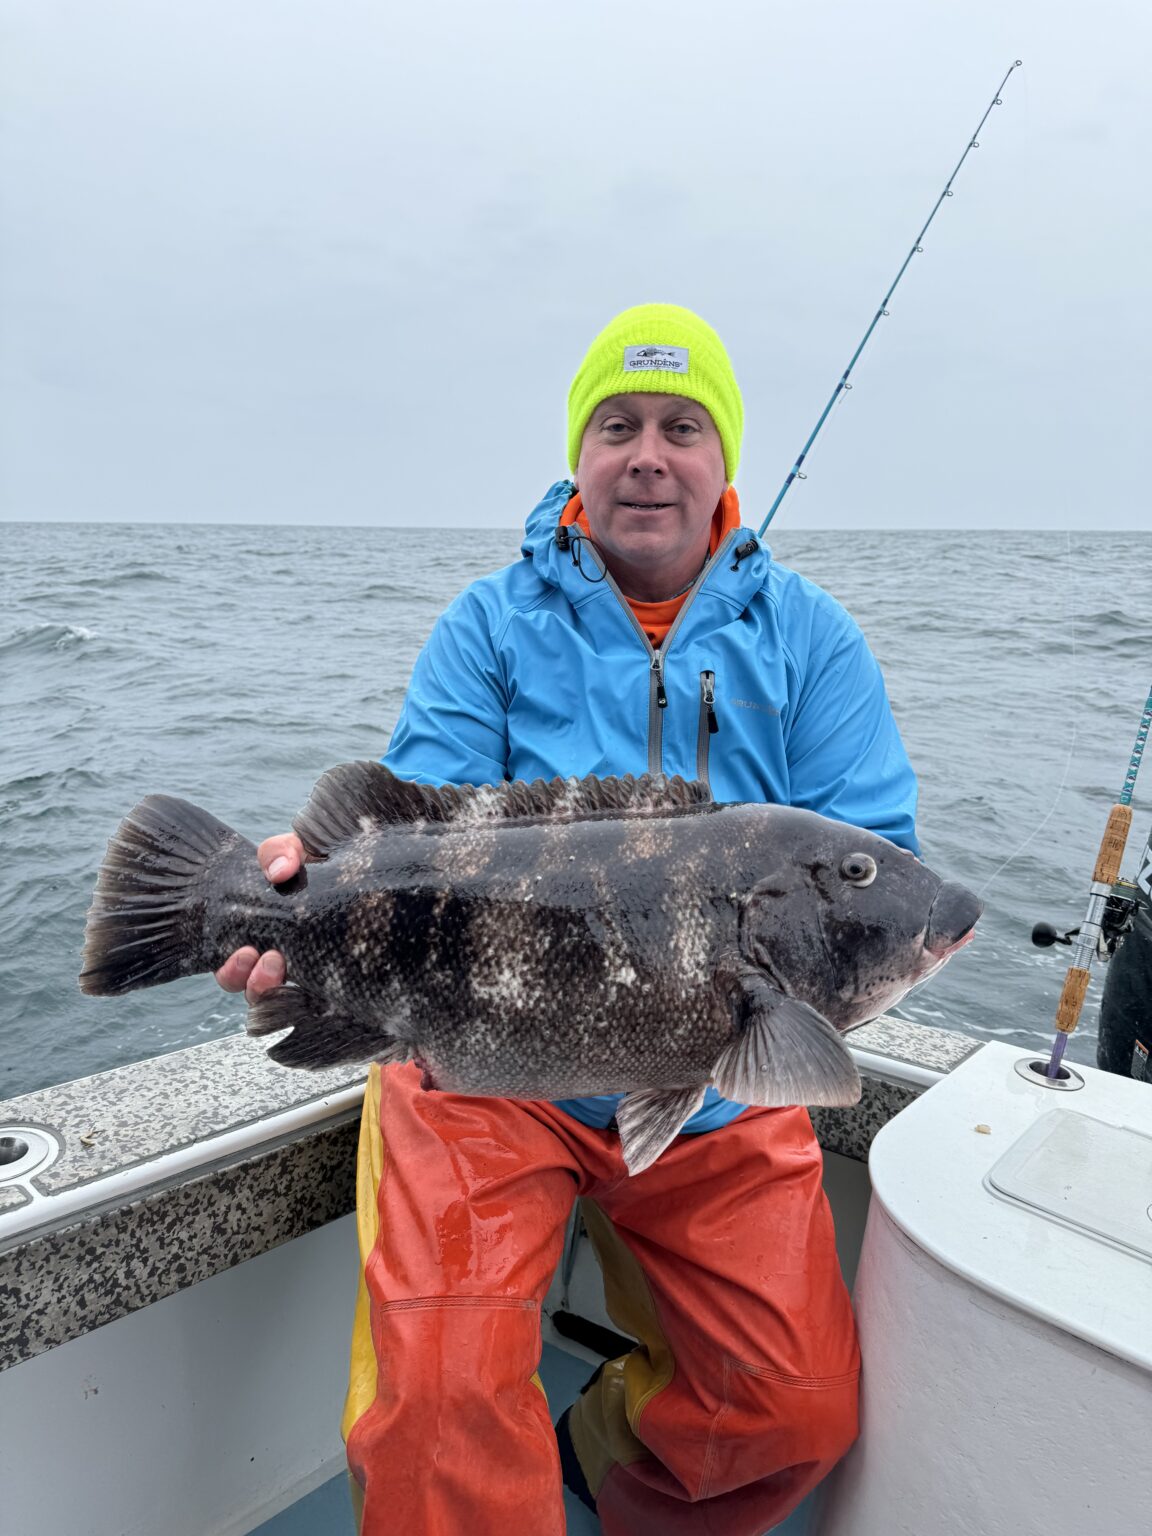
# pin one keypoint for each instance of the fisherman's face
(651, 471)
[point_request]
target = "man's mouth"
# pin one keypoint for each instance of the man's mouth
(646, 506)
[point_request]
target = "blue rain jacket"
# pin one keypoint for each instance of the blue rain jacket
(538, 670)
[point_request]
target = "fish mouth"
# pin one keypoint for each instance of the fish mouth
(951, 919)
(944, 954)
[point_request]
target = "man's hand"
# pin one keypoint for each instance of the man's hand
(245, 970)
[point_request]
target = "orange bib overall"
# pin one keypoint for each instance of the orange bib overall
(720, 1258)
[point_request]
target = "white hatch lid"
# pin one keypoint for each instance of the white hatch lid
(1043, 1204)
(1085, 1173)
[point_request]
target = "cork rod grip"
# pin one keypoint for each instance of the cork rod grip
(1071, 999)
(1112, 845)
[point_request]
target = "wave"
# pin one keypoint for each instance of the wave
(133, 576)
(74, 777)
(377, 589)
(46, 637)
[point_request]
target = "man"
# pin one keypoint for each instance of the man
(644, 629)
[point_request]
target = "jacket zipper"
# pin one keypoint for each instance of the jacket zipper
(657, 696)
(709, 724)
(658, 675)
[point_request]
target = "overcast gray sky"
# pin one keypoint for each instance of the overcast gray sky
(265, 260)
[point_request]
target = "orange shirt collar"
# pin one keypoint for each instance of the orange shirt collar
(656, 619)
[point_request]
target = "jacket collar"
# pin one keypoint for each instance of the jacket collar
(556, 565)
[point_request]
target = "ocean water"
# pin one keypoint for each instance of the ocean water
(233, 665)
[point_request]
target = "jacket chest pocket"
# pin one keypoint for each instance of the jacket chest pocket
(571, 723)
(739, 742)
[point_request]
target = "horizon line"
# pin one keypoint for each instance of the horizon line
(518, 529)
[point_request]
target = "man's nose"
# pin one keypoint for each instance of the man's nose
(649, 451)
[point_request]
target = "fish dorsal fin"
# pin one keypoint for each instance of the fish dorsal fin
(786, 1053)
(357, 798)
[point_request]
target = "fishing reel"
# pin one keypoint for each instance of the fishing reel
(1116, 921)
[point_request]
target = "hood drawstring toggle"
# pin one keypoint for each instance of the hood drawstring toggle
(742, 551)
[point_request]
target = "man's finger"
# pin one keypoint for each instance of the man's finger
(234, 973)
(268, 974)
(280, 857)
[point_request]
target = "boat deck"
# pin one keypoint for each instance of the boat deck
(327, 1511)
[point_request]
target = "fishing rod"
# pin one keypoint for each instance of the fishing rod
(1109, 911)
(917, 248)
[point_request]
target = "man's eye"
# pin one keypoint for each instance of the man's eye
(615, 427)
(684, 428)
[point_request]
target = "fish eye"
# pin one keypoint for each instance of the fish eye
(859, 868)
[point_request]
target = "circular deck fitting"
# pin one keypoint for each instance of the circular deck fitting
(24, 1151)
(1034, 1070)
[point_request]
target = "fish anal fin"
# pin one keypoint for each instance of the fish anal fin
(321, 1036)
(358, 798)
(650, 1119)
(787, 1053)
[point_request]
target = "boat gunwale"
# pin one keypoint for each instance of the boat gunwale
(108, 1228)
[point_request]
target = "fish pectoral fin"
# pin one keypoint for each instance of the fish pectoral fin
(787, 1053)
(321, 1035)
(650, 1119)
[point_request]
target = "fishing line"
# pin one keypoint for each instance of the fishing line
(1012, 857)
(917, 249)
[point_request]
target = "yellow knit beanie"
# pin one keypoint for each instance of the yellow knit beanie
(665, 350)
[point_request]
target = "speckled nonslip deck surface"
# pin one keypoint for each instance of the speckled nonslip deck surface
(123, 1117)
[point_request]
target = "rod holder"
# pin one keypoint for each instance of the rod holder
(1035, 1070)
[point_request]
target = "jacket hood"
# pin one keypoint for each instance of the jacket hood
(540, 529)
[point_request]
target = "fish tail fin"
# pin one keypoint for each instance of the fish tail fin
(145, 924)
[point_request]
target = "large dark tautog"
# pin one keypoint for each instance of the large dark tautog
(544, 941)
